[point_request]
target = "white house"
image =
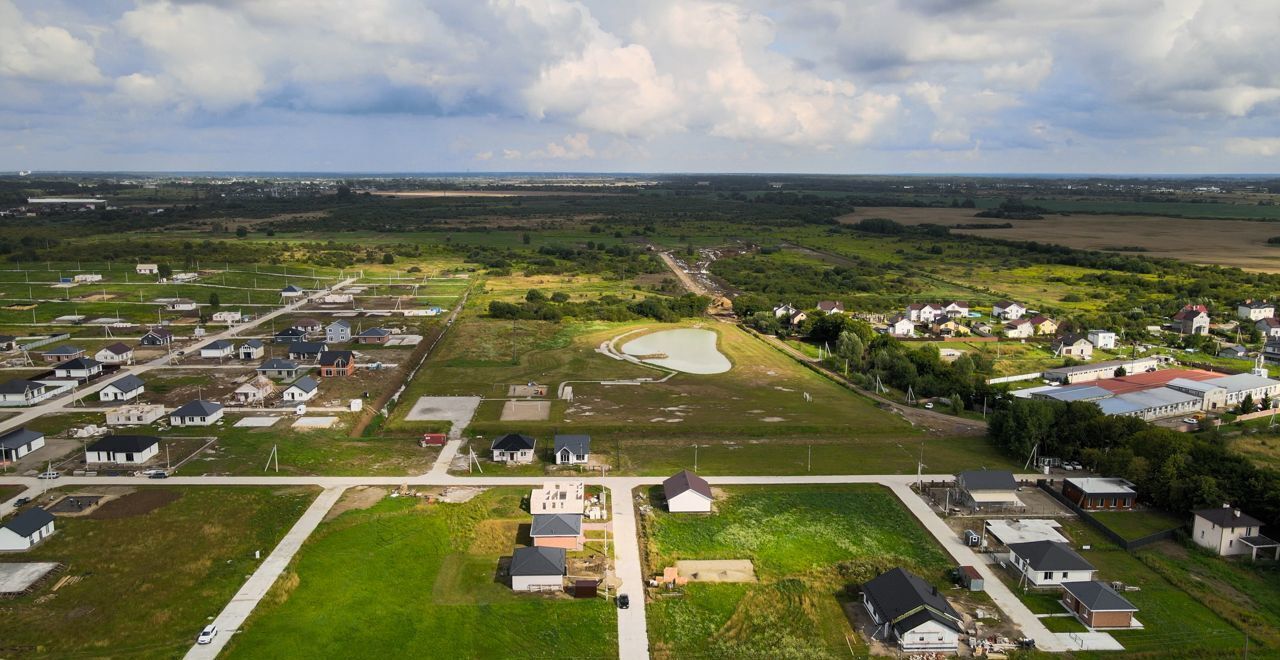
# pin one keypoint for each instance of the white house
(337, 298)
(1255, 310)
(181, 305)
(19, 442)
(117, 353)
(157, 337)
(291, 291)
(217, 350)
(252, 349)
(196, 413)
(123, 449)
(124, 388)
(686, 492)
(81, 368)
(1103, 340)
(1049, 563)
(304, 389)
(1073, 346)
(20, 392)
(25, 530)
(227, 316)
(1008, 310)
(910, 611)
(572, 449)
(147, 269)
(86, 278)
(138, 414)
(537, 569)
(513, 448)
(1019, 328)
(1269, 327)
(901, 326)
(1229, 532)
(925, 312)
(956, 309)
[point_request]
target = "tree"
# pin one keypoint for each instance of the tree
(1247, 405)
(388, 258)
(535, 296)
(214, 301)
(165, 271)
(560, 297)
(849, 347)
(241, 232)
(1120, 372)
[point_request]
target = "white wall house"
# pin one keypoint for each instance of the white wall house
(81, 368)
(122, 389)
(1229, 532)
(1049, 563)
(538, 569)
(218, 350)
(19, 442)
(305, 389)
(1255, 310)
(1103, 340)
(513, 448)
(147, 269)
(572, 449)
(228, 317)
(25, 530)
(123, 449)
(1008, 310)
(686, 492)
(196, 413)
(910, 611)
(117, 353)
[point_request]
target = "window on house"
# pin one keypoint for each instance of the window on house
(1064, 575)
(1048, 575)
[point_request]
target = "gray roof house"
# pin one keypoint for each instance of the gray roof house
(123, 388)
(513, 448)
(686, 492)
(557, 530)
(1050, 563)
(196, 413)
(19, 442)
(909, 610)
(278, 368)
(537, 569)
(572, 449)
(988, 488)
(26, 529)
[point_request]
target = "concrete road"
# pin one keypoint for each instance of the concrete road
(633, 633)
(242, 604)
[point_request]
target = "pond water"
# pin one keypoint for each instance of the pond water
(689, 350)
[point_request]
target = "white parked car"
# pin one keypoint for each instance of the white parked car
(1190, 420)
(50, 475)
(206, 636)
(929, 406)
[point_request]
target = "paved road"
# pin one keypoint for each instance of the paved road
(633, 633)
(242, 604)
(64, 403)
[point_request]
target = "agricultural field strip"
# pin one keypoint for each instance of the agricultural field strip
(631, 626)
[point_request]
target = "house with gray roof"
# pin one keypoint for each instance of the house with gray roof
(338, 332)
(572, 449)
(988, 489)
(81, 368)
(279, 369)
(196, 413)
(537, 569)
(123, 388)
(303, 389)
(123, 449)
(19, 442)
(513, 448)
(25, 530)
(557, 530)
(1049, 563)
(1097, 605)
(911, 612)
(1228, 531)
(22, 392)
(252, 349)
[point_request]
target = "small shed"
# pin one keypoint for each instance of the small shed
(970, 578)
(434, 439)
(585, 588)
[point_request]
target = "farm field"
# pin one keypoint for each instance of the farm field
(404, 578)
(132, 599)
(1240, 243)
(811, 547)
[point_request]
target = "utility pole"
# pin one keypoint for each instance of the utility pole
(695, 457)
(809, 467)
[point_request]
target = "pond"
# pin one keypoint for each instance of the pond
(689, 350)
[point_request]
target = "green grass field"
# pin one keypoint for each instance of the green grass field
(404, 579)
(1137, 524)
(147, 580)
(808, 544)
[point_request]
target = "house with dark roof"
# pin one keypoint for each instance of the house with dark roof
(252, 350)
(279, 369)
(157, 337)
(1192, 320)
(988, 489)
(1007, 310)
(337, 363)
(1049, 563)
(537, 569)
(309, 325)
(831, 306)
(303, 389)
(123, 388)
(62, 353)
(557, 530)
(1253, 310)
(8, 342)
(290, 335)
(338, 332)
(25, 530)
(513, 448)
(572, 449)
(373, 336)
(1097, 605)
(1073, 346)
(123, 449)
(911, 612)
(901, 326)
(306, 350)
(217, 350)
(81, 368)
(686, 492)
(117, 353)
(196, 413)
(1100, 493)
(21, 392)
(291, 291)
(19, 442)
(1230, 532)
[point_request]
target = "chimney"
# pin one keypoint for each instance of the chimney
(935, 591)
(1236, 513)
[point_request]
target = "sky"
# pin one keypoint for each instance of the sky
(817, 86)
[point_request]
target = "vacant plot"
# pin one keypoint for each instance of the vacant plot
(245, 450)
(1238, 243)
(145, 579)
(407, 579)
(1137, 524)
(811, 547)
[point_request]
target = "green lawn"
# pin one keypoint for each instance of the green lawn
(405, 579)
(811, 546)
(320, 451)
(146, 583)
(1137, 524)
